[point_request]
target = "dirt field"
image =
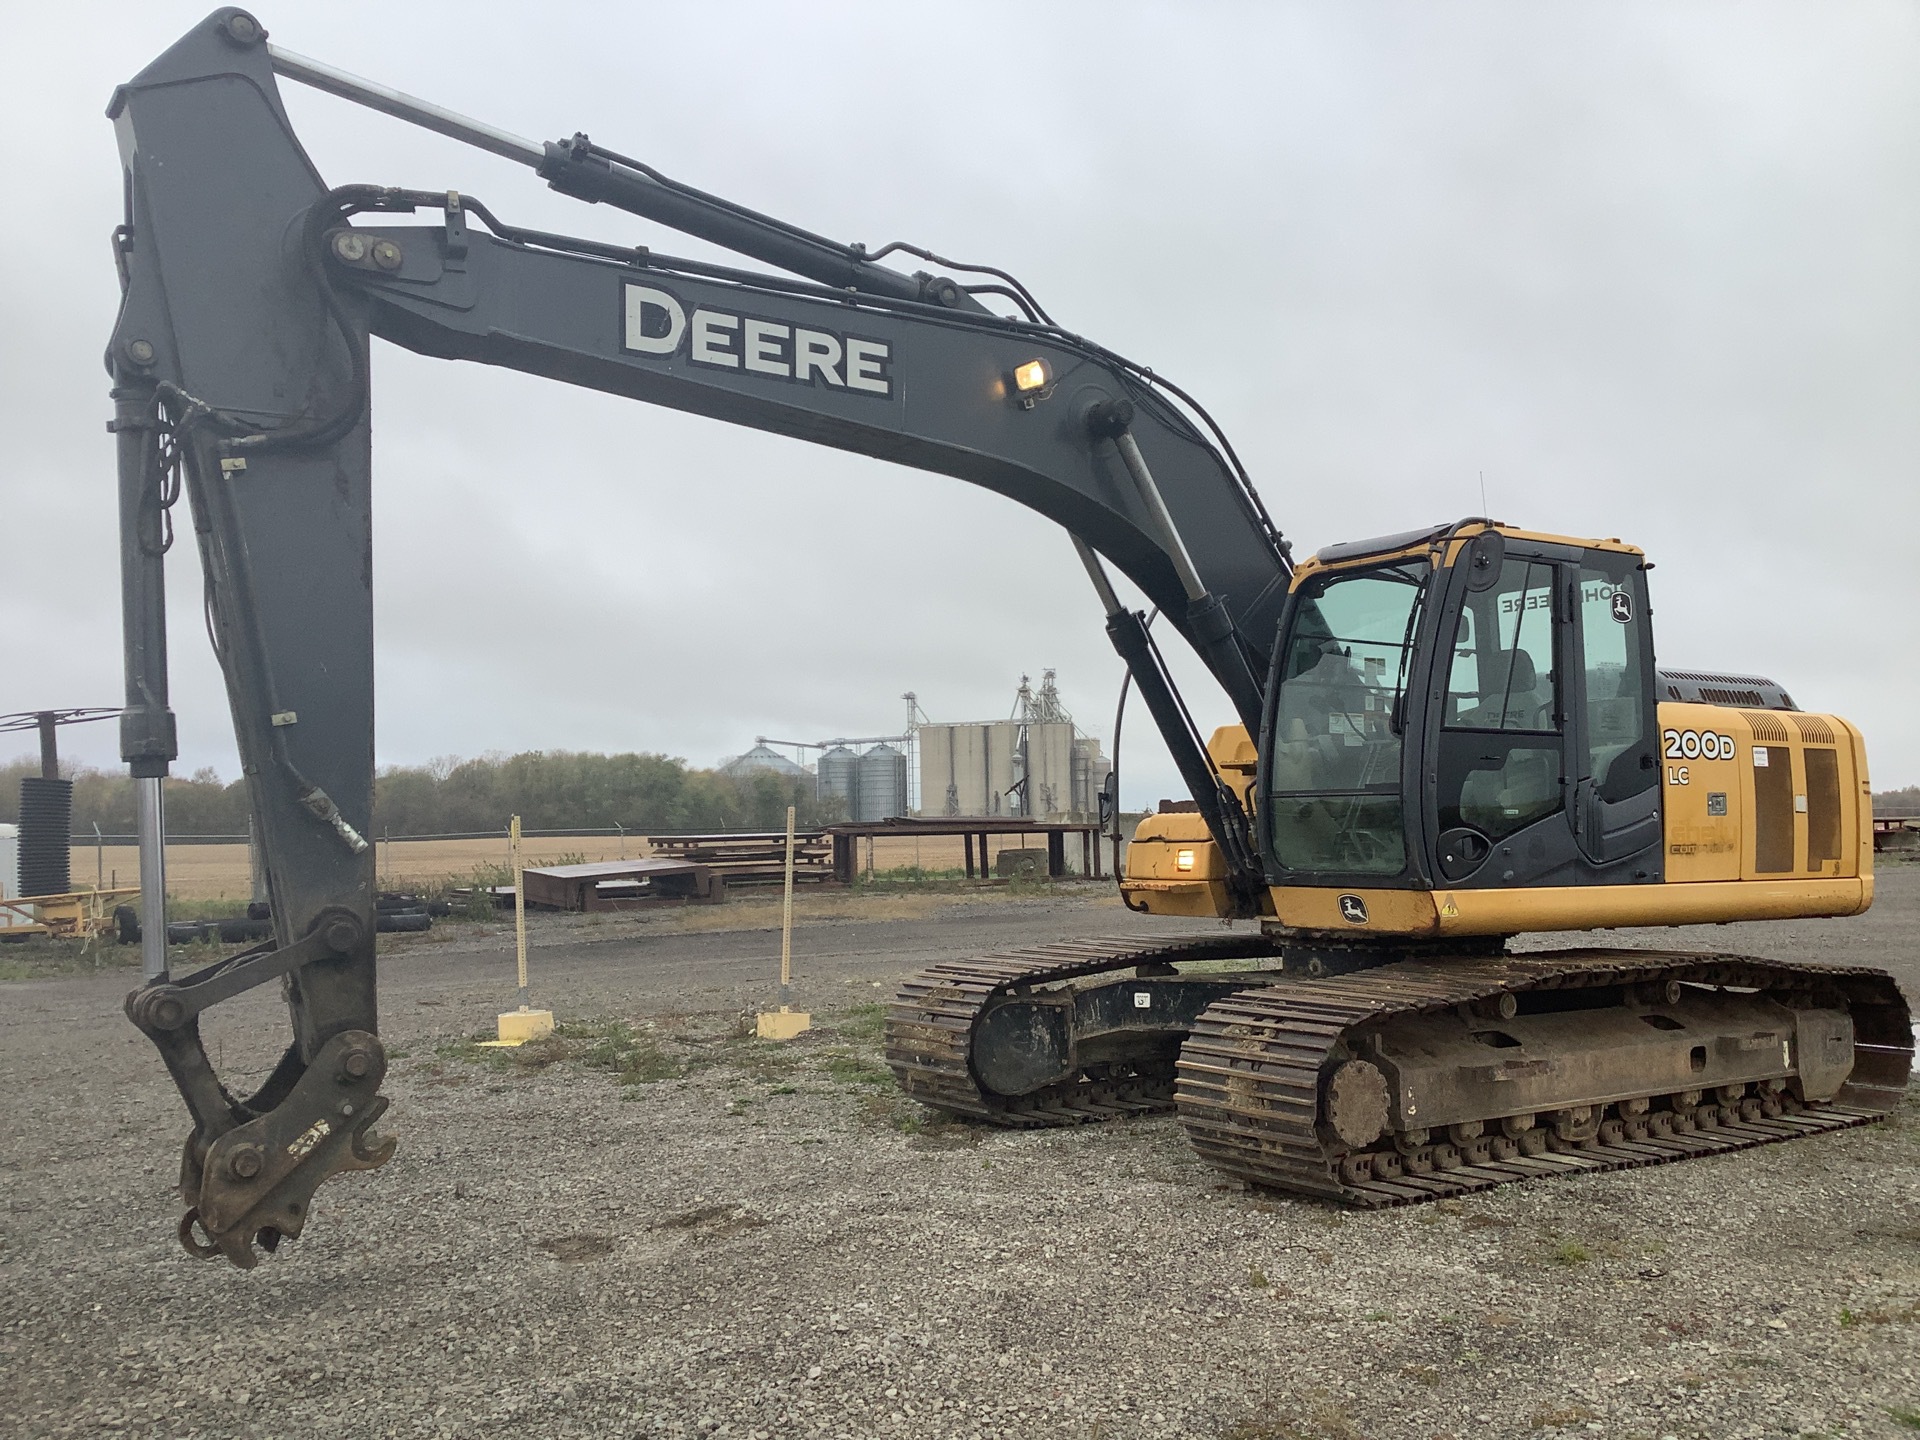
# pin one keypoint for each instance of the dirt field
(659, 1227)
(219, 872)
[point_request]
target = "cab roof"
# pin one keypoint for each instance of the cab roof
(1385, 547)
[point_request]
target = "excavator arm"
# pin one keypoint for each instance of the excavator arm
(251, 291)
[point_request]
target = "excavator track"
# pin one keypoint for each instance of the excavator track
(1257, 1079)
(931, 1025)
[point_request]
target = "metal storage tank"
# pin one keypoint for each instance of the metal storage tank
(1049, 769)
(761, 758)
(835, 776)
(880, 791)
(1089, 775)
(999, 750)
(939, 754)
(942, 768)
(969, 769)
(1035, 764)
(10, 875)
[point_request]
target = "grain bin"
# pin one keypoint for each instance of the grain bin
(834, 777)
(880, 790)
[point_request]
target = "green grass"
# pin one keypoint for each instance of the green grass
(1905, 1415)
(904, 876)
(42, 958)
(633, 1059)
(527, 1059)
(861, 1022)
(1880, 1315)
(478, 904)
(850, 1069)
(840, 1056)
(643, 1055)
(1571, 1253)
(1321, 1418)
(955, 881)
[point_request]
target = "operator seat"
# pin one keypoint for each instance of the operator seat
(1510, 694)
(1525, 785)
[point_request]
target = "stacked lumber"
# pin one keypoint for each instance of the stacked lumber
(750, 858)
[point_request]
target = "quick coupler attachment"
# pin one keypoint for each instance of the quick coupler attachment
(256, 1181)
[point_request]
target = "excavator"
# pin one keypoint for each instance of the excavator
(1446, 738)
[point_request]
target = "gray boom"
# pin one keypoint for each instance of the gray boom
(239, 362)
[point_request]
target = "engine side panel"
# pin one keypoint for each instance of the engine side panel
(1763, 795)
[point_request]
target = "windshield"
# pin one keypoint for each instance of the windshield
(1335, 770)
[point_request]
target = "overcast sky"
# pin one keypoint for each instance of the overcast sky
(1653, 269)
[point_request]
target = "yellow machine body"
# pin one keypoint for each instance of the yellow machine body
(1767, 819)
(1791, 844)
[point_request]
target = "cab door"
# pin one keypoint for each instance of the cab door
(1544, 766)
(1498, 806)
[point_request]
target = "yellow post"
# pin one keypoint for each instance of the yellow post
(519, 1026)
(786, 919)
(786, 1022)
(519, 903)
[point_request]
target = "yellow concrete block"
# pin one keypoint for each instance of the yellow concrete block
(519, 1026)
(783, 1024)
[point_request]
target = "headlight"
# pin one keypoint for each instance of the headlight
(1031, 377)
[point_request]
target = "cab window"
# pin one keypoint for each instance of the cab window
(1612, 634)
(1502, 672)
(1500, 752)
(1335, 764)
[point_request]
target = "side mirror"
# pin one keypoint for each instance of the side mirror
(1109, 803)
(1484, 557)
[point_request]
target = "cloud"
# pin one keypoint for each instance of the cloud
(1654, 270)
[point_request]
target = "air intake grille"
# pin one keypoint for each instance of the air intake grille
(1755, 680)
(1813, 730)
(1767, 729)
(1704, 687)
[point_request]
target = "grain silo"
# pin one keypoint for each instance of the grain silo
(970, 769)
(761, 758)
(1089, 775)
(880, 784)
(1035, 765)
(1049, 769)
(835, 773)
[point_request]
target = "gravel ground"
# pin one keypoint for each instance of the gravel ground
(656, 1226)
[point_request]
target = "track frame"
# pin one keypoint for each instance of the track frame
(1251, 1081)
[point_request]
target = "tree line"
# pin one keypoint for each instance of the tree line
(1897, 802)
(547, 789)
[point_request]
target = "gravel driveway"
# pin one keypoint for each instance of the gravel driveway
(657, 1226)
